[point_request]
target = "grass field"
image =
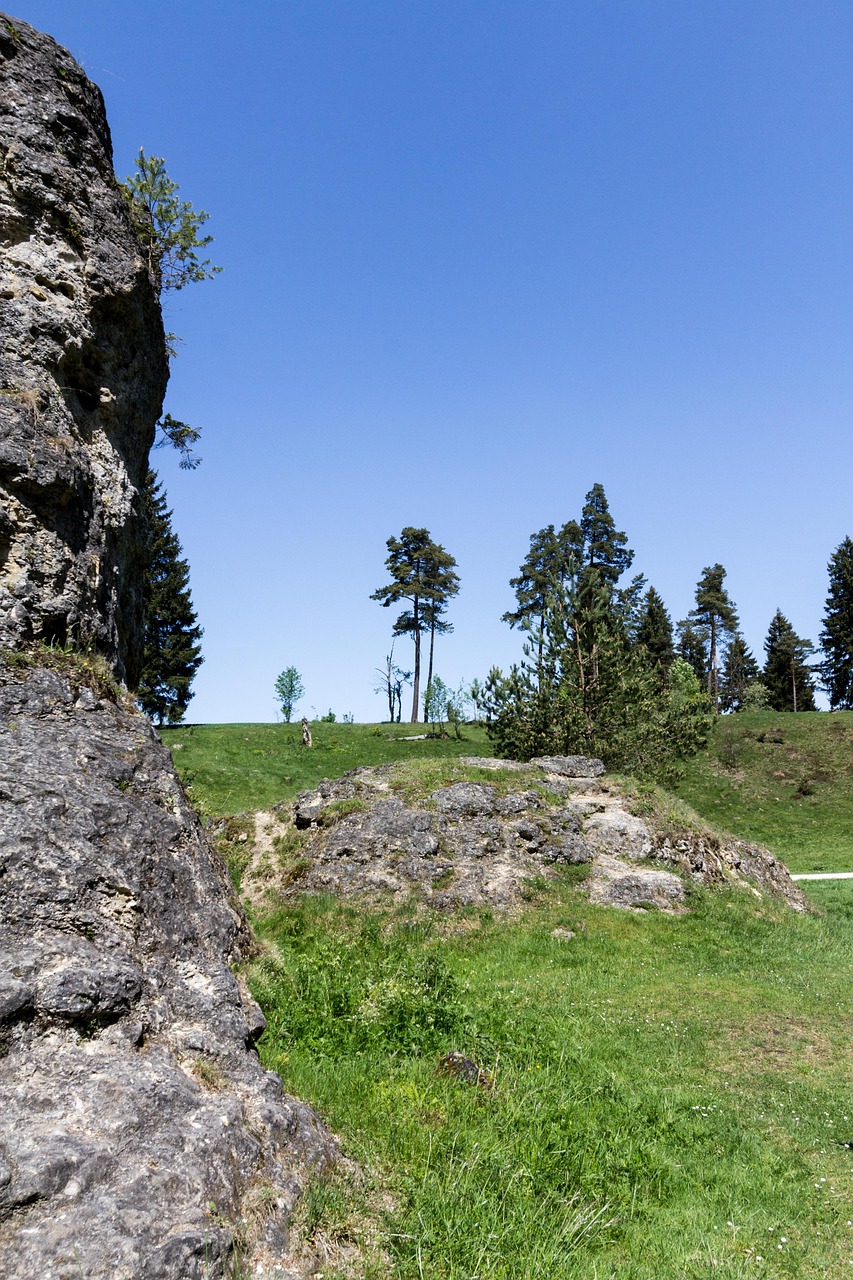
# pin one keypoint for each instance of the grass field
(784, 780)
(233, 768)
(663, 1096)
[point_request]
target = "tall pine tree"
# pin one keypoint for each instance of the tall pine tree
(172, 652)
(714, 621)
(787, 676)
(423, 574)
(740, 670)
(836, 639)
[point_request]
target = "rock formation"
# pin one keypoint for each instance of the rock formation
(83, 363)
(139, 1135)
(478, 843)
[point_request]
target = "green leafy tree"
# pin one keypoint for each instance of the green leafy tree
(168, 228)
(172, 651)
(787, 676)
(713, 621)
(422, 574)
(740, 673)
(836, 638)
(654, 633)
(288, 690)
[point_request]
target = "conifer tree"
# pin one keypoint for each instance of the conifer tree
(422, 573)
(740, 670)
(539, 570)
(172, 651)
(836, 639)
(441, 583)
(714, 620)
(654, 633)
(691, 647)
(786, 675)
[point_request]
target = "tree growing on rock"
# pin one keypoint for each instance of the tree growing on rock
(168, 228)
(836, 638)
(172, 651)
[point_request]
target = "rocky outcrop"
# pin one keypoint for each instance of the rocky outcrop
(140, 1138)
(478, 843)
(83, 363)
(139, 1134)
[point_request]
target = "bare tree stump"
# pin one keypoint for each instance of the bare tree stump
(307, 740)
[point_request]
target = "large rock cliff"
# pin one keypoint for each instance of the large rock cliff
(82, 362)
(139, 1134)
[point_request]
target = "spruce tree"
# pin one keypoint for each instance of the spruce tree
(691, 647)
(836, 639)
(786, 675)
(539, 570)
(605, 548)
(172, 652)
(654, 633)
(714, 620)
(740, 670)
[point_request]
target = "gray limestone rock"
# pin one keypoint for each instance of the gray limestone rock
(570, 766)
(83, 363)
(130, 1098)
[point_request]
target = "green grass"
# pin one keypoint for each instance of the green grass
(232, 768)
(784, 780)
(669, 1095)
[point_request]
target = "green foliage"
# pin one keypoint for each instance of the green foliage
(288, 690)
(596, 677)
(787, 676)
(422, 573)
(180, 436)
(172, 652)
(654, 633)
(168, 228)
(711, 625)
(740, 674)
(329, 717)
(836, 638)
(655, 1080)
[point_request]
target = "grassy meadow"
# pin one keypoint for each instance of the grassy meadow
(661, 1096)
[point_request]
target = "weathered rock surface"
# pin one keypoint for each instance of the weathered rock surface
(83, 364)
(137, 1126)
(483, 844)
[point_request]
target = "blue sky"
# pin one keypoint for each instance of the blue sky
(478, 256)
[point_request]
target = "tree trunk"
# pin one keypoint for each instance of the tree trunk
(713, 683)
(416, 689)
(431, 651)
(794, 682)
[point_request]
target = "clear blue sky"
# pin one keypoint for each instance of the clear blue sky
(479, 255)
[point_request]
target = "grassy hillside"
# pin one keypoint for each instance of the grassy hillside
(665, 1096)
(232, 768)
(785, 780)
(662, 1096)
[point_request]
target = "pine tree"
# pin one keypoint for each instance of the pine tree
(605, 549)
(539, 570)
(422, 572)
(654, 633)
(172, 652)
(441, 584)
(740, 670)
(836, 639)
(786, 675)
(714, 620)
